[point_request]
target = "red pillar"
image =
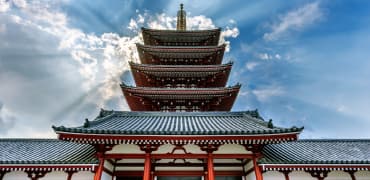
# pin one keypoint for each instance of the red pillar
(147, 169)
(257, 169)
(100, 169)
(211, 171)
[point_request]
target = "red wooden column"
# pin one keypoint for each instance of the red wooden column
(148, 148)
(100, 151)
(147, 168)
(100, 169)
(257, 169)
(209, 148)
(211, 171)
(256, 150)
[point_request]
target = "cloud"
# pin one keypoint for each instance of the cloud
(4, 6)
(264, 94)
(57, 62)
(251, 65)
(294, 21)
(20, 3)
(7, 120)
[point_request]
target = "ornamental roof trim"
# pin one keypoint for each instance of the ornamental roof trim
(318, 151)
(179, 31)
(178, 124)
(182, 68)
(181, 49)
(158, 90)
(45, 151)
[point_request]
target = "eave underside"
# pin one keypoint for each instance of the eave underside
(181, 38)
(180, 76)
(181, 56)
(180, 99)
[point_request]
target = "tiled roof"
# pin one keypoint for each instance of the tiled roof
(45, 151)
(177, 123)
(334, 151)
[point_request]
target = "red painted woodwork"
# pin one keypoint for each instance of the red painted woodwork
(183, 76)
(351, 173)
(159, 55)
(171, 99)
(46, 167)
(179, 156)
(257, 169)
(181, 38)
(100, 169)
(35, 175)
(211, 173)
(70, 174)
(178, 173)
(315, 166)
(96, 138)
(147, 167)
(286, 173)
(319, 174)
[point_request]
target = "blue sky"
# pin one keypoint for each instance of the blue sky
(302, 63)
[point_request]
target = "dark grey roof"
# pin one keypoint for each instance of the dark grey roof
(318, 151)
(45, 151)
(177, 123)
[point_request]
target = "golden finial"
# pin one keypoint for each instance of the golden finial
(181, 18)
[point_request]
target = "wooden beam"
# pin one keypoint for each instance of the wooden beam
(178, 173)
(178, 164)
(179, 156)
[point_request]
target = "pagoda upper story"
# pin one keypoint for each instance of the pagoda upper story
(180, 70)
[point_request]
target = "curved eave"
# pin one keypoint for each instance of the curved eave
(181, 68)
(179, 49)
(318, 166)
(179, 32)
(30, 166)
(179, 91)
(96, 138)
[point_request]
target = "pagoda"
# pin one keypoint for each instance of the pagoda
(180, 122)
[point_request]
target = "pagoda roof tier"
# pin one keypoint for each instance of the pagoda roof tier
(158, 37)
(46, 154)
(181, 54)
(177, 75)
(318, 154)
(189, 99)
(116, 127)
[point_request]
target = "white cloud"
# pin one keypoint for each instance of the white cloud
(20, 3)
(251, 65)
(4, 6)
(277, 56)
(266, 93)
(294, 20)
(7, 119)
(99, 61)
(264, 56)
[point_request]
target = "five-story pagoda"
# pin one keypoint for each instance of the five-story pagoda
(180, 123)
(180, 70)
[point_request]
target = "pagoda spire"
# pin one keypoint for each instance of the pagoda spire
(181, 18)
